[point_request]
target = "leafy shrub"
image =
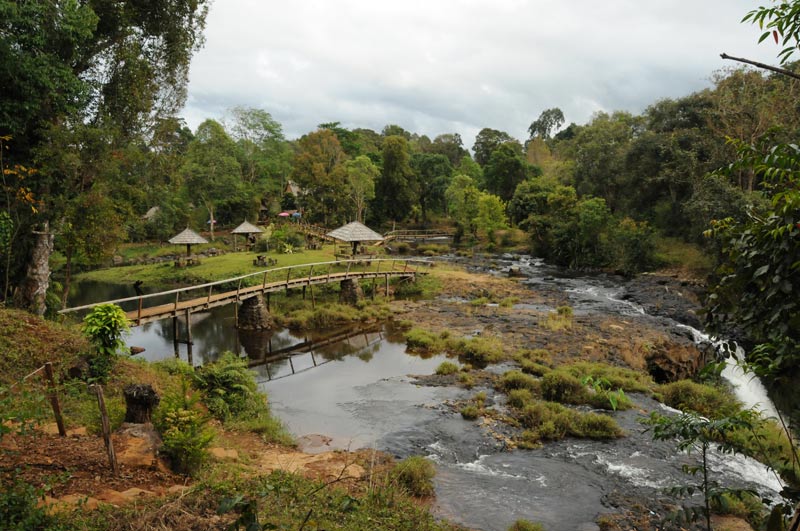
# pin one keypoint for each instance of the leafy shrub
(20, 508)
(533, 368)
(518, 380)
(634, 246)
(470, 412)
(479, 398)
(520, 398)
(538, 355)
(446, 367)
(595, 426)
(421, 340)
(228, 385)
(466, 380)
(552, 421)
(416, 474)
(105, 326)
(482, 350)
(184, 432)
(525, 525)
(563, 387)
(706, 400)
(617, 377)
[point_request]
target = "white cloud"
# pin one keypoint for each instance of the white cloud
(439, 66)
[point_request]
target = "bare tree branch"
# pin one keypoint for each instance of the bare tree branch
(761, 65)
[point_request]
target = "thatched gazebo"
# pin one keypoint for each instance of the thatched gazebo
(247, 229)
(355, 233)
(188, 238)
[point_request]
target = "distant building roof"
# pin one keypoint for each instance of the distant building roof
(246, 228)
(188, 236)
(292, 188)
(355, 232)
(151, 214)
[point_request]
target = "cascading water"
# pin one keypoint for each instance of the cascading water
(366, 399)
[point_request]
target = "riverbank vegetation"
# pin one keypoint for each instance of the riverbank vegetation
(215, 406)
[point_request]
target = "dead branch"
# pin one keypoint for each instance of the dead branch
(771, 68)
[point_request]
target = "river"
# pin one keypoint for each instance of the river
(362, 393)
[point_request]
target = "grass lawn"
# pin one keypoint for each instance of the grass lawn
(213, 268)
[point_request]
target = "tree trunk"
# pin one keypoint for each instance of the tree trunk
(67, 276)
(32, 294)
(140, 400)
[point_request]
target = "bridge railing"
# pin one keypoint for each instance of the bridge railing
(268, 276)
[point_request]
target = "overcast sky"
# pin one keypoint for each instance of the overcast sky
(444, 66)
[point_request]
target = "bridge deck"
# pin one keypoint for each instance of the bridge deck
(156, 313)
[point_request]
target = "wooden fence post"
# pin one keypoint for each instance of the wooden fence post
(106, 427)
(51, 384)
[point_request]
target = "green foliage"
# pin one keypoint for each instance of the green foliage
(693, 432)
(415, 474)
(184, 432)
(20, 508)
(480, 350)
(447, 367)
(228, 385)
(517, 380)
(757, 288)
(549, 421)
(421, 340)
(526, 525)
(520, 398)
(706, 400)
(105, 327)
(615, 377)
(563, 387)
(634, 247)
(470, 412)
(466, 380)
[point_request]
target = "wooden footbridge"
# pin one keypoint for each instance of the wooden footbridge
(151, 307)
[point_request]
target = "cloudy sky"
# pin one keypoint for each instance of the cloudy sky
(443, 66)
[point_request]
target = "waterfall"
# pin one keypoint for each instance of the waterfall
(746, 386)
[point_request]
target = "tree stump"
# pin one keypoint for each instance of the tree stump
(140, 400)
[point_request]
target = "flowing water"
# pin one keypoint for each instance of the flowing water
(360, 393)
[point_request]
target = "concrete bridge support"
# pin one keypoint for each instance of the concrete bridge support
(350, 292)
(253, 314)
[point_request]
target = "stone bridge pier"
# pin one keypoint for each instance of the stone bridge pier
(350, 291)
(253, 314)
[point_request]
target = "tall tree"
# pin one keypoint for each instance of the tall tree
(361, 174)
(505, 170)
(213, 176)
(69, 65)
(319, 171)
(433, 175)
(263, 152)
(450, 145)
(547, 123)
(486, 141)
(396, 190)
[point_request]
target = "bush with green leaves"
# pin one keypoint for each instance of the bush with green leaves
(525, 525)
(415, 474)
(228, 386)
(563, 387)
(184, 431)
(693, 432)
(446, 367)
(105, 327)
(706, 400)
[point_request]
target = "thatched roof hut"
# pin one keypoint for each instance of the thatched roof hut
(355, 233)
(245, 228)
(188, 237)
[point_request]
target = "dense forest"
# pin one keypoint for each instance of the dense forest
(91, 142)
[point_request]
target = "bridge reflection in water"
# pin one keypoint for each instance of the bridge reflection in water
(273, 364)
